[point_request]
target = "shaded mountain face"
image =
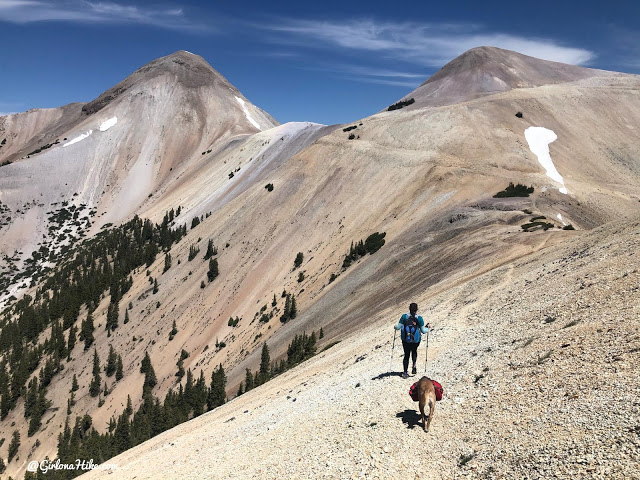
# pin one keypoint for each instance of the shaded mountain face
(426, 177)
(487, 70)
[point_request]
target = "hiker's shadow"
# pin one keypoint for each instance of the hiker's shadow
(410, 417)
(387, 374)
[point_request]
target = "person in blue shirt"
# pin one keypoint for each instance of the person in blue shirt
(411, 326)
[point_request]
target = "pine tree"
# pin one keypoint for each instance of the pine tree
(167, 262)
(94, 386)
(31, 397)
(217, 392)
(174, 331)
(248, 380)
(155, 286)
(14, 445)
(122, 434)
(294, 309)
(129, 409)
(180, 372)
(112, 316)
(72, 340)
(126, 317)
(150, 380)
(298, 261)
(74, 384)
(210, 250)
(240, 390)
(119, 373)
(321, 333)
(213, 269)
(274, 302)
(265, 361)
(86, 332)
(193, 251)
(112, 359)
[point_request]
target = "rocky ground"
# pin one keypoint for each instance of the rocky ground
(540, 365)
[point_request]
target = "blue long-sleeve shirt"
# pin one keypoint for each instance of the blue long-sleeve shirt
(403, 331)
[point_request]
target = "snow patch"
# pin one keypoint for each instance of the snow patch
(78, 138)
(539, 139)
(247, 114)
(560, 218)
(106, 125)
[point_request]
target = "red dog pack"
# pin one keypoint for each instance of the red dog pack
(413, 391)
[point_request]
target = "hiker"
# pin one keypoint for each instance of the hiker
(411, 326)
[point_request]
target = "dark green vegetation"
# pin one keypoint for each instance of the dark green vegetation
(568, 227)
(269, 187)
(83, 442)
(301, 348)
(84, 274)
(348, 129)
(400, 104)
(290, 309)
(44, 147)
(371, 245)
(298, 261)
(528, 227)
(512, 190)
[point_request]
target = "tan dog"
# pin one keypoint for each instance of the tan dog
(426, 396)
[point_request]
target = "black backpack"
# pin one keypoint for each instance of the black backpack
(410, 328)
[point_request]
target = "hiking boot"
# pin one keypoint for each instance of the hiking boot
(414, 370)
(405, 375)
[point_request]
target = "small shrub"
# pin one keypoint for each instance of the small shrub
(512, 190)
(374, 242)
(348, 129)
(300, 277)
(568, 227)
(332, 277)
(519, 114)
(352, 136)
(400, 104)
(269, 187)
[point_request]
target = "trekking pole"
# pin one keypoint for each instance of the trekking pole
(393, 346)
(426, 354)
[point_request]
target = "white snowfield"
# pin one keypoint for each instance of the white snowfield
(247, 114)
(78, 138)
(560, 218)
(539, 139)
(106, 125)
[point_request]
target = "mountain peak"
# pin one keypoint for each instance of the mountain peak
(486, 70)
(188, 69)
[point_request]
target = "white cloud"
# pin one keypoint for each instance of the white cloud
(84, 11)
(423, 44)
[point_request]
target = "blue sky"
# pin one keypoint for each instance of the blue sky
(324, 61)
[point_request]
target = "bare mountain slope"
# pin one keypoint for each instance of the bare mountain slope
(538, 359)
(131, 141)
(487, 70)
(424, 176)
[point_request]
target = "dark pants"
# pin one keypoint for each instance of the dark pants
(409, 348)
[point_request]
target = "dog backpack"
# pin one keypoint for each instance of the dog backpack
(413, 392)
(439, 390)
(410, 328)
